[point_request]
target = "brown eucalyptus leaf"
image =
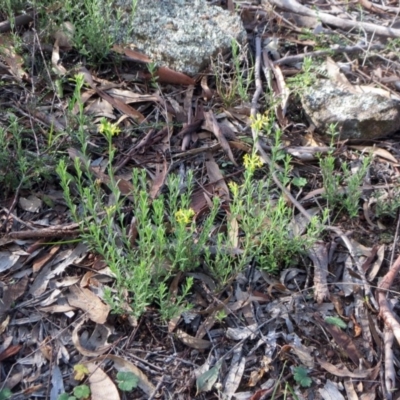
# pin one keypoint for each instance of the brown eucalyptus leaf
(87, 301)
(101, 386)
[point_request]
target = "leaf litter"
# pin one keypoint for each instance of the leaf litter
(324, 328)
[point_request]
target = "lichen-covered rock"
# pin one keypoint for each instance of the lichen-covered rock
(180, 34)
(357, 115)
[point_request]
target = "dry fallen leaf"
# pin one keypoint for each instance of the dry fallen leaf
(164, 74)
(13, 60)
(123, 365)
(318, 254)
(330, 391)
(95, 345)
(213, 126)
(235, 373)
(65, 35)
(87, 301)
(377, 151)
(193, 342)
(31, 203)
(242, 333)
(216, 178)
(344, 372)
(44, 258)
(101, 386)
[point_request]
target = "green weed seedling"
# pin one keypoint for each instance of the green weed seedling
(221, 315)
(168, 239)
(92, 21)
(233, 83)
(306, 78)
(21, 164)
(243, 72)
(152, 67)
(331, 180)
(387, 205)
(336, 321)
(393, 44)
(5, 394)
(354, 182)
(262, 215)
(80, 392)
(143, 269)
(334, 193)
(127, 381)
(334, 182)
(300, 375)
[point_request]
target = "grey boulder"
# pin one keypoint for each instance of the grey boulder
(357, 115)
(179, 34)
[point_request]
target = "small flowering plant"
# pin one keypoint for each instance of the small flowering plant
(109, 130)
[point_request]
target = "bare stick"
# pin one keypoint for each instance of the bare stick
(254, 101)
(294, 6)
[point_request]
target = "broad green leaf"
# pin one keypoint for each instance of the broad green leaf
(301, 376)
(80, 372)
(5, 394)
(66, 396)
(127, 380)
(336, 321)
(299, 182)
(206, 381)
(82, 392)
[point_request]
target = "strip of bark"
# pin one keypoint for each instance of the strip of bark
(18, 21)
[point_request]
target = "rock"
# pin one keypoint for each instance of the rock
(358, 115)
(180, 34)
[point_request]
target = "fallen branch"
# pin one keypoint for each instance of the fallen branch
(51, 232)
(290, 60)
(56, 231)
(378, 8)
(294, 6)
(385, 310)
(390, 374)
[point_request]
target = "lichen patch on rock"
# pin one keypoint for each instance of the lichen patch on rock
(179, 34)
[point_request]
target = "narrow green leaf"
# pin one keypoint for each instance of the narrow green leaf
(336, 321)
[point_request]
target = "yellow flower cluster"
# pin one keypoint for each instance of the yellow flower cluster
(260, 122)
(184, 216)
(252, 161)
(107, 128)
(234, 188)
